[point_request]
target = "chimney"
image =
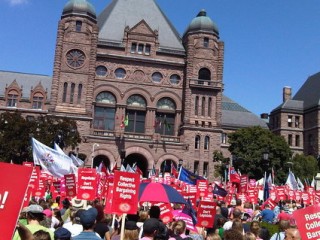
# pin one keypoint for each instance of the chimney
(264, 115)
(286, 93)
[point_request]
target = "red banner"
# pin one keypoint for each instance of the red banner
(125, 192)
(165, 212)
(243, 184)
(87, 183)
(13, 186)
(71, 188)
(307, 220)
(109, 197)
(206, 211)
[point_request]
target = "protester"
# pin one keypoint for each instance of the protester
(236, 215)
(88, 219)
(131, 231)
(292, 234)
(150, 229)
(232, 234)
(237, 225)
(24, 232)
(213, 236)
(101, 226)
(283, 226)
(260, 233)
(179, 230)
(62, 234)
(267, 215)
(41, 235)
(249, 236)
(74, 226)
(34, 216)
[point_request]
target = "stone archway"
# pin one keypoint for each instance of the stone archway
(101, 158)
(139, 160)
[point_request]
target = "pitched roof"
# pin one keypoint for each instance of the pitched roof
(26, 81)
(309, 92)
(290, 104)
(121, 13)
(234, 115)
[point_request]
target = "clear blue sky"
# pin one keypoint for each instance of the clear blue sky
(268, 44)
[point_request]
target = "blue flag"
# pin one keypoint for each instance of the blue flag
(188, 209)
(189, 177)
(219, 191)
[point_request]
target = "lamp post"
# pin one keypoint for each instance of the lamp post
(122, 155)
(266, 161)
(92, 155)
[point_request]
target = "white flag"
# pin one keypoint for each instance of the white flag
(50, 160)
(300, 184)
(291, 181)
(76, 161)
(74, 166)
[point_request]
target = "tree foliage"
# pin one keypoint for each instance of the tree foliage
(16, 133)
(304, 167)
(249, 144)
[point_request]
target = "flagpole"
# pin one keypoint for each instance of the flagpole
(179, 172)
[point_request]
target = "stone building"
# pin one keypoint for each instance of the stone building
(139, 92)
(297, 118)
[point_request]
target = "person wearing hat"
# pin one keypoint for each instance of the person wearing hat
(62, 234)
(34, 216)
(131, 231)
(150, 229)
(88, 220)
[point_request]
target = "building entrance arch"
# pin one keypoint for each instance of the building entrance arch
(101, 158)
(139, 160)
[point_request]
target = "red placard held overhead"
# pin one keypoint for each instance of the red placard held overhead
(125, 192)
(87, 183)
(12, 193)
(307, 220)
(71, 188)
(206, 212)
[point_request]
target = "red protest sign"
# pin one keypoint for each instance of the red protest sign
(125, 192)
(206, 212)
(109, 197)
(202, 188)
(12, 193)
(243, 183)
(71, 188)
(87, 183)
(307, 220)
(165, 212)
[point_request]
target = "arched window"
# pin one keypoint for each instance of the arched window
(65, 89)
(37, 101)
(206, 143)
(203, 106)
(197, 142)
(12, 99)
(79, 93)
(165, 116)
(73, 86)
(204, 74)
(209, 107)
(135, 114)
(196, 106)
(78, 26)
(206, 42)
(104, 111)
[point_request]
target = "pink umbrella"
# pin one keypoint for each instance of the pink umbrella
(179, 215)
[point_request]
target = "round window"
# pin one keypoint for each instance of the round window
(120, 73)
(157, 77)
(175, 79)
(75, 58)
(101, 71)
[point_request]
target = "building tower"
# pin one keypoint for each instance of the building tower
(75, 58)
(203, 89)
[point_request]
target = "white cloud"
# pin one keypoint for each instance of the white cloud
(17, 2)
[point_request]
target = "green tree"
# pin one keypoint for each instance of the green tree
(16, 133)
(304, 167)
(249, 144)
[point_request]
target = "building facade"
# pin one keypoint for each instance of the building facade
(140, 93)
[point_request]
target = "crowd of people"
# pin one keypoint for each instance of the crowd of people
(52, 220)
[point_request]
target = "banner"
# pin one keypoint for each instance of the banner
(307, 220)
(71, 188)
(109, 197)
(87, 183)
(188, 177)
(234, 176)
(243, 183)
(13, 187)
(125, 192)
(202, 188)
(206, 211)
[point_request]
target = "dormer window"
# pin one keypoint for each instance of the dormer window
(140, 48)
(37, 101)
(12, 99)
